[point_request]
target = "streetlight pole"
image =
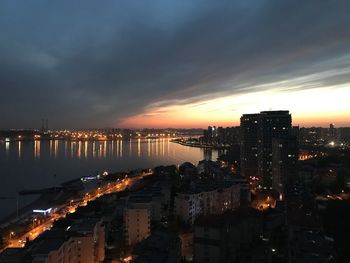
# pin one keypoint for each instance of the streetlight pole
(11, 234)
(34, 220)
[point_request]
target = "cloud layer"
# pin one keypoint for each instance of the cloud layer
(108, 63)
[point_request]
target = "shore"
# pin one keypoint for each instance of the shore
(191, 143)
(66, 199)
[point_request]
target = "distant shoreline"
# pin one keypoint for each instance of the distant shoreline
(198, 145)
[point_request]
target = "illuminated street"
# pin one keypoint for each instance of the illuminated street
(109, 188)
(225, 125)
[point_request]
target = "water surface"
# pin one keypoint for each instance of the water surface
(39, 164)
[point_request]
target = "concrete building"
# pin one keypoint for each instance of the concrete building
(14, 255)
(160, 247)
(249, 144)
(88, 235)
(311, 246)
(137, 224)
(272, 124)
(82, 242)
(222, 238)
(164, 188)
(149, 200)
(186, 245)
(258, 131)
(284, 162)
(206, 200)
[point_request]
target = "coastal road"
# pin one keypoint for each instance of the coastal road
(62, 211)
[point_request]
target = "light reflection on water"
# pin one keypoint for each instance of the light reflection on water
(39, 164)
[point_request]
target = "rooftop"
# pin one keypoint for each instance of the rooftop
(228, 218)
(12, 255)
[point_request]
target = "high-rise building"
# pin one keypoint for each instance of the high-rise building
(332, 132)
(249, 144)
(284, 162)
(257, 134)
(271, 124)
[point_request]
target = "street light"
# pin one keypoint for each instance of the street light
(34, 220)
(11, 235)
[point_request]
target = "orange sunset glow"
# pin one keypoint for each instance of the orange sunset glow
(310, 107)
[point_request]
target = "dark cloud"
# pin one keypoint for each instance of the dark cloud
(90, 64)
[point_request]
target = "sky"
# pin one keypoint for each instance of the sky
(165, 63)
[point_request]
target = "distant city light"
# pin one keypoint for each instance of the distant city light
(43, 211)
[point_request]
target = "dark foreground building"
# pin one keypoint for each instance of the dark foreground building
(257, 134)
(226, 237)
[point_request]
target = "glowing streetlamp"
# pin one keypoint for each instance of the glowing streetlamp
(34, 220)
(12, 234)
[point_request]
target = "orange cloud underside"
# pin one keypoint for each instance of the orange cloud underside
(314, 107)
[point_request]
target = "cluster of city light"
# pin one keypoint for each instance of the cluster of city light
(159, 134)
(50, 215)
(306, 156)
(82, 135)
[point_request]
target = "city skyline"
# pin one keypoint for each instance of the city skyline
(192, 131)
(183, 64)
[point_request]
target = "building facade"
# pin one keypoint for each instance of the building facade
(257, 134)
(272, 124)
(249, 144)
(189, 205)
(220, 238)
(284, 162)
(84, 242)
(137, 225)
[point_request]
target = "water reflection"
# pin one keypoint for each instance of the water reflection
(65, 148)
(50, 148)
(55, 149)
(130, 148)
(19, 150)
(7, 146)
(139, 147)
(31, 165)
(94, 149)
(105, 149)
(136, 149)
(37, 149)
(85, 149)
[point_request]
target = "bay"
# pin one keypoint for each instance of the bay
(39, 164)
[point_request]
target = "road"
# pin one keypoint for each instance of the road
(70, 207)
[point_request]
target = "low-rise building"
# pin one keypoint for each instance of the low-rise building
(160, 247)
(310, 245)
(186, 245)
(137, 224)
(83, 241)
(89, 237)
(14, 255)
(149, 200)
